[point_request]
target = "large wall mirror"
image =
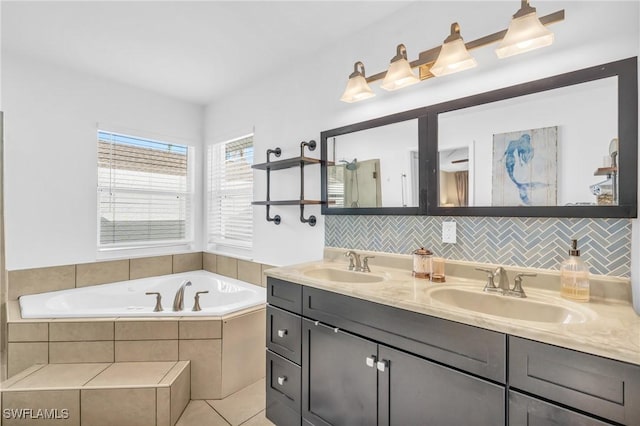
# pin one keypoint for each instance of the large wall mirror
(373, 167)
(564, 146)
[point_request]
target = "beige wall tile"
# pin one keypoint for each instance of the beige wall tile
(146, 330)
(117, 407)
(163, 407)
(150, 266)
(28, 332)
(249, 272)
(24, 355)
(187, 262)
(50, 400)
(61, 376)
(209, 262)
(40, 280)
(66, 352)
(180, 394)
(146, 350)
(243, 355)
(205, 366)
(264, 277)
(80, 331)
(131, 374)
(200, 329)
(227, 266)
(102, 272)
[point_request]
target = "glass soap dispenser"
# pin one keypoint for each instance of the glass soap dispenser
(574, 276)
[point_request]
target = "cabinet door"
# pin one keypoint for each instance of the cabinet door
(527, 411)
(338, 386)
(415, 391)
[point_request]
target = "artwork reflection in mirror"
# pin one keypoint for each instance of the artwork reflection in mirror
(549, 148)
(376, 167)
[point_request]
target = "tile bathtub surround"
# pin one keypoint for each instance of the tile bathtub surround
(149, 393)
(39, 280)
(542, 243)
(218, 367)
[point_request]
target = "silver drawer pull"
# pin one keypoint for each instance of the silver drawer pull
(316, 323)
(371, 361)
(335, 330)
(282, 333)
(382, 365)
(281, 380)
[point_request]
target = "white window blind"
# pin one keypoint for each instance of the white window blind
(230, 192)
(144, 192)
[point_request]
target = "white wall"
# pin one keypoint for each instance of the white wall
(51, 116)
(299, 103)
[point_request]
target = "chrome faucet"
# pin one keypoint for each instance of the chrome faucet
(178, 300)
(354, 260)
(503, 280)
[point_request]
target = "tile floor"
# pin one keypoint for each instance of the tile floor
(245, 407)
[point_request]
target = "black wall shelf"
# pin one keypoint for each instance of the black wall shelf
(288, 163)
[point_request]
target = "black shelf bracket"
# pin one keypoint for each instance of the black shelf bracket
(311, 220)
(276, 219)
(311, 145)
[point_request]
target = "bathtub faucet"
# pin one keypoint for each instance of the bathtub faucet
(178, 300)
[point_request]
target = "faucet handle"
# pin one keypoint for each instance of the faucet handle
(365, 263)
(196, 301)
(490, 286)
(158, 307)
(517, 290)
(351, 255)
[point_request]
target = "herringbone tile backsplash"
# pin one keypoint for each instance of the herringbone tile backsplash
(530, 242)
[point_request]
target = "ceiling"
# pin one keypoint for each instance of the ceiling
(195, 51)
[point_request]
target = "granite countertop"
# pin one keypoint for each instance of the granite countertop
(612, 328)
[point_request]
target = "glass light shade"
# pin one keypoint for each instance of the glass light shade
(453, 57)
(399, 75)
(525, 33)
(357, 90)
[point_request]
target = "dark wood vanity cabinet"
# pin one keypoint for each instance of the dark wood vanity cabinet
(363, 363)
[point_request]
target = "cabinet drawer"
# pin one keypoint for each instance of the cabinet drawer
(527, 411)
(284, 295)
(284, 382)
(476, 350)
(284, 335)
(596, 385)
(280, 414)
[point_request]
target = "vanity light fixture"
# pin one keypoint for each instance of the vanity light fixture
(357, 87)
(525, 33)
(399, 74)
(453, 56)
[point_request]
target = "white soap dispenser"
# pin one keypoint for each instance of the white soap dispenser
(574, 276)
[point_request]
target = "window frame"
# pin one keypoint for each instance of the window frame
(147, 246)
(238, 248)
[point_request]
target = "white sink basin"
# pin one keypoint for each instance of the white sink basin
(546, 310)
(342, 276)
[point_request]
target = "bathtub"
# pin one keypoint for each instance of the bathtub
(128, 298)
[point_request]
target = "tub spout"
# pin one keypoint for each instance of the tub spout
(178, 300)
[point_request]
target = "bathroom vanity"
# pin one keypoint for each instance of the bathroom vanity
(383, 352)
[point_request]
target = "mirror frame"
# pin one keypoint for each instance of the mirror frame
(625, 70)
(421, 115)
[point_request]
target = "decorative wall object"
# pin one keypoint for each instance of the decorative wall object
(525, 168)
(529, 242)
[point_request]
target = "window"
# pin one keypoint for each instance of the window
(230, 192)
(144, 192)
